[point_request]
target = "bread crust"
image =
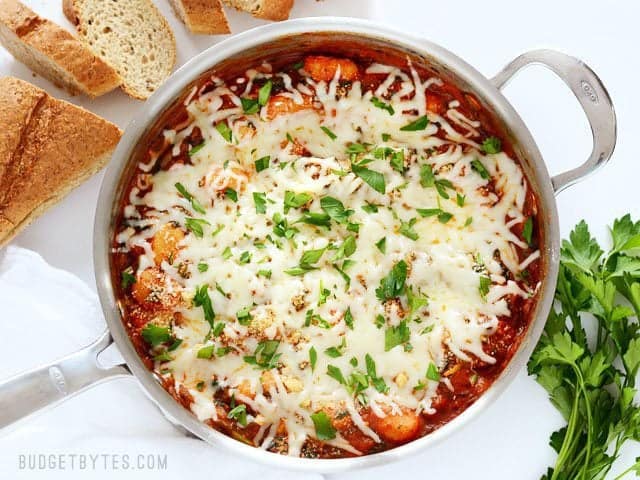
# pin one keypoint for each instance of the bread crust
(50, 147)
(202, 16)
(53, 52)
(73, 11)
(267, 9)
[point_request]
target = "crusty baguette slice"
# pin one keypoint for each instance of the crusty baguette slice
(130, 35)
(267, 9)
(53, 52)
(48, 147)
(202, 16)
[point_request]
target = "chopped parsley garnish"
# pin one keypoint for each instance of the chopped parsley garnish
(264, 93)
(265, 356)
(415, 301)
(492, 145)
(397, 161)
(324, 294)
(202, 299)
(406, 229)
(324, 428)
(335, 209)
(195, 225)
(260, 201)
(203, 267)
(393, 285)
(319, 219)
(264, 273)
(527, 230)
(262, 163)
(348, 318)
(329, 133)
(370, 208)
(398, 335)
(281, 227)
(468, 221)
(335, 352)
(356, 148)
(249, 105)
(196, 149)
(217, 230)
(335, 373)
(226, 253)
(244, 316)
(245, 257)
(485, 283)
(155, 335)
(380, 321)
(224, 130)
(346, 249)
(443, 217)
(127, 278)
(382, 245)
(206, 352)
(232, 194)
(382, 105)
(460, 199)
(419, 124)
(432, 372)
(377, 382)
(295, 200)
(313, 358)
(386, 137)
(239, 414)
(374, 179)
(479, 167)
(307, 261)
(428, 179)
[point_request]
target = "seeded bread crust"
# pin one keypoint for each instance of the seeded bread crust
(48, 148)
(52, 52)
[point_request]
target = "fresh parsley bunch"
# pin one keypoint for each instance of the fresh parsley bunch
(589, 355)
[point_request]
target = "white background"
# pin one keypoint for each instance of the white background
(509, 441)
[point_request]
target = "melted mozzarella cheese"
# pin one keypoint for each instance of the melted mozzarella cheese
(446, 260)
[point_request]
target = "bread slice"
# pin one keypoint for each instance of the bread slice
(130, 35)
(53, 52)
(48, 147)
(267, 9)
(202, 16)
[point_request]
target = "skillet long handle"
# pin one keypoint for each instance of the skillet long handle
(30, 392)
(593, 98)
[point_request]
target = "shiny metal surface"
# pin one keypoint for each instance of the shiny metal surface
(600, 114)
(593, 98)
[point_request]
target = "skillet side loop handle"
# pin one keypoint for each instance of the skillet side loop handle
(30, 392)
(593, 98)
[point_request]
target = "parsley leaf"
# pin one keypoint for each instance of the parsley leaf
(202, 299)
(382, 105)
(443, 217)
(335, 209)
(393, 285)
(406, 229)
(313, 358)
(479, 167)
(249, 105)
(398, 335)
(492, 145)
(262, 163)
(260, 201)
(265, 356)
(155, 335)
(225, 131)
(239, 413)
(372, 178)
(419, 124)
(295, 200)
(195, 204)
(195, 225)
(382, 245)
(264, 93)
(329, 133)
(324, 428)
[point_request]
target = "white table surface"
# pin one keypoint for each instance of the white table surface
(507, 441)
